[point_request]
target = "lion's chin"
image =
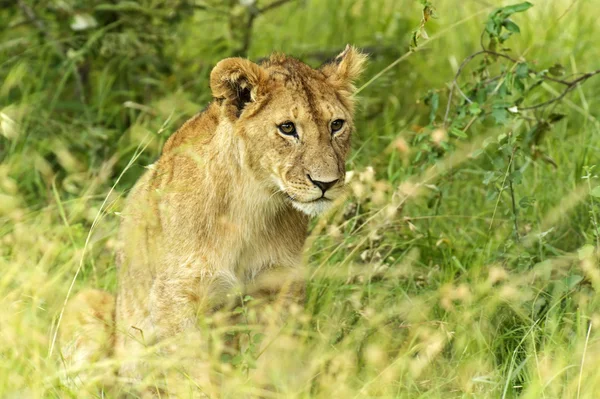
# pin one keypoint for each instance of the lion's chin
(313, 208)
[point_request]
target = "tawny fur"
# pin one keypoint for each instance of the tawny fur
(226, 206)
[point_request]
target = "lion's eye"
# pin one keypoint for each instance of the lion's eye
(337, 125)
(287, 128)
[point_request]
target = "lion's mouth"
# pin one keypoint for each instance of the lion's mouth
(322, 199)
(318, 201)
(313, 207)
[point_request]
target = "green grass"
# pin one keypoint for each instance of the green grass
(422, 293)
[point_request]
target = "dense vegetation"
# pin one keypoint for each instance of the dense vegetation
(463, 264)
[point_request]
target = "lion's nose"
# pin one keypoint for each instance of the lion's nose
(323, 185)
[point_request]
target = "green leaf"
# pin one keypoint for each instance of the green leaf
(509, 10)
(458, 133)
(585, 252)
(492, 27)
(493, 45)
(503, 90)
(226, 357)
(518, 85)
(414, 41)
(237, 360)
(595, 192)
(511, 26)
(477, 153)
(488, 177)
(504, 37)
(474, 109)
(522, 70)
(516, 177)
(573, 280)
(555, 117)
(258, 338)
(500, 116)
(557, 70)
(526, 202)
(433, 100)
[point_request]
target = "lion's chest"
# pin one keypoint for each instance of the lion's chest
(251, 251)
(239, 244)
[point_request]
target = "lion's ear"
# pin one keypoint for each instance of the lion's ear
(236, 82)
(345, 68)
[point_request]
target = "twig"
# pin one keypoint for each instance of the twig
(459, 71)
(247, 38)
(566, 11)
(481, 40)
(570, 86)
(253, 13)
(455, 84)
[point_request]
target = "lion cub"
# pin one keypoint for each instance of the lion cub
(226, 206)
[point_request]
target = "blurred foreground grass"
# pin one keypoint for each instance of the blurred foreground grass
(421, 285)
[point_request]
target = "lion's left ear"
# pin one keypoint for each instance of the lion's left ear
(343, 71)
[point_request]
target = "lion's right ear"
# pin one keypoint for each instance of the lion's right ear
(345, 68)
(236, 82)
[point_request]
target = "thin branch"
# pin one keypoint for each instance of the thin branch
(570, 86)
(481, 40)
(455, 84)
(564, 82)
(459, 71)
(566, 11)
(253, 13)
(247, 38)
(550, 78)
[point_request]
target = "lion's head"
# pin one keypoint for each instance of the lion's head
(293, 122)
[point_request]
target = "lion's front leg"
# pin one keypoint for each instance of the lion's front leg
(277, 292)
(265, 320)
(163, 350)
(178, 303)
